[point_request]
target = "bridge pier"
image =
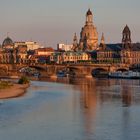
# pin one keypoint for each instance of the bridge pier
(88, 76)
(53, 76)
(88, 72)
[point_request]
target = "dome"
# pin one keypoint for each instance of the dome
(7, 42)
(90, 32)
(126, 29)
(89, 12)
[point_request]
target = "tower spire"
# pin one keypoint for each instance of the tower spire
(75, 37)
(75, 43)
(126, 38)
(103, 39)
(89, 17)
(102, 44)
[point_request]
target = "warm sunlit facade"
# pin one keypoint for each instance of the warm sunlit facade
(125, 52)
(31, 45)
(89, 34)
(70, 57)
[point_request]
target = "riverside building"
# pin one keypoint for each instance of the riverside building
(89, 34)
(31, 45)
(70, 57)
(125, 52)
(64, 47)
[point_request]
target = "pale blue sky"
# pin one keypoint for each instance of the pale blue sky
(52, 21)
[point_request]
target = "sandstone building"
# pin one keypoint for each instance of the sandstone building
(125, 52)
(88, 35)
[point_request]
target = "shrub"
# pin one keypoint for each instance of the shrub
(23, 80)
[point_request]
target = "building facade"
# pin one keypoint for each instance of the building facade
(70, 57)
(64, 47)
(7, 53)
(31, 45)
(41, 55)
(125, 52)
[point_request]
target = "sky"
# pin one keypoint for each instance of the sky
(55, 21)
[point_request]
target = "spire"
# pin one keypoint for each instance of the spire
(103, 39)
(89, 12)
(75, 42)
(75, 37)
(89, 17)
(102, 44)
(126, 38)
(126, 29)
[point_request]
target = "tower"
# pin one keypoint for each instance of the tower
(126, 38)
(126, 46)
(89, 18)
(88, 32)
(102, 44)
(75, 43)
(102, 39)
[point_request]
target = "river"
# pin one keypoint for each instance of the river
(73, 109)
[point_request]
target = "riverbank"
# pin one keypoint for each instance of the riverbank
(14, 91)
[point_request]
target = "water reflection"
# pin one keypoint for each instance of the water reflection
(126, 123)
(104, 96)
(88, 105)
(108, 90)
(126, 95)
(79, 109)
(104, 90)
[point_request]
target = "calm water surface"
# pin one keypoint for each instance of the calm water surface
(74, 109)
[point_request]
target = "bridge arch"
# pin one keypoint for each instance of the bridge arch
(99, 72)
(38, 68)
(75, 71)
(35, 67)
(122, 69)
(3, 70)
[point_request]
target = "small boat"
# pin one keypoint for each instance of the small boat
(36, 75)
(61, 74)
(124, 75)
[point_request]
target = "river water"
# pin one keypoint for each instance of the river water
(73, 109)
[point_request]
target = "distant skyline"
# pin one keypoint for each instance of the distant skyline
(50, 22)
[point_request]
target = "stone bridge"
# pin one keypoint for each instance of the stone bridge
(77, 69)
(88, 69)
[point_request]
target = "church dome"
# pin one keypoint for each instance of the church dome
(126, 29)
(7, 42)
(90, 32)
(89, 12)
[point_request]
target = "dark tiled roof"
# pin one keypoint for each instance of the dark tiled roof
(136, 46)
(113, 47)
(118, 47)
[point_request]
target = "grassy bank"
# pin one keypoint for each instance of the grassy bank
(5, 84)
(10, 89)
